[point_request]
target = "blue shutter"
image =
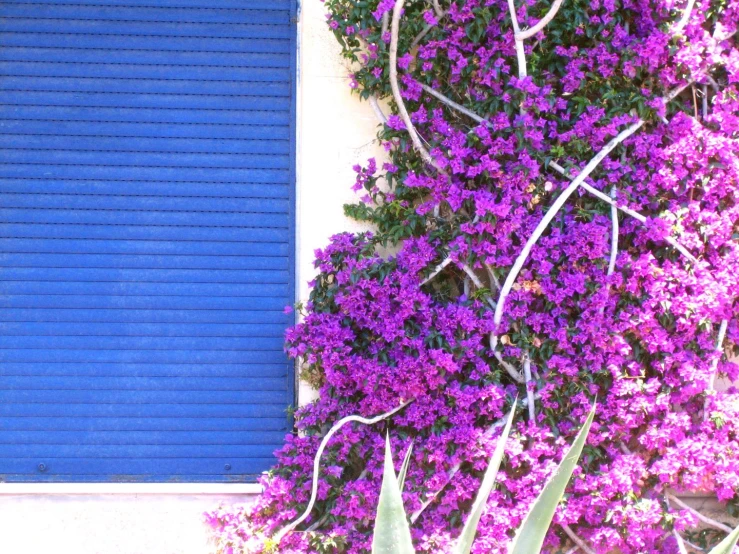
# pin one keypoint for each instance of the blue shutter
(146, 238)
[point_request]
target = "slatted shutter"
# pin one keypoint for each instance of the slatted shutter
(146, 238)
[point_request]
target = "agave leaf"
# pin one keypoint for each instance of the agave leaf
(404, 467)
(727, 545)
(530, 536)
(465, 540)
(392, 534)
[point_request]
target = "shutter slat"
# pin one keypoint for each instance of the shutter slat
(145, 315)
(158, 424)
(165, 442)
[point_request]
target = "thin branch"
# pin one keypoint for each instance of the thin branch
(614, 233)
(494, 283)
(705, 519)
(437, 9)
(528, 33)
(714, 365)
(475, 279)
(576, 539)
(520, 51)
(573, 550)
(552, 212)
(438, 269)
(385, 22)
(452, 104)
(317, 461)
(704, 102)
(420, 35)
(377, 109)
(452, 472)
(529, 391)
(402, 111)
(680, 542)
(636, 215)
(680, 25)
(512, 371)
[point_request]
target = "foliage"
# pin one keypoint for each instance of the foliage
(643, 338)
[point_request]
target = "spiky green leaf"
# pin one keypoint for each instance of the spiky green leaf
(465, 540)
(404, 468)
(392, 534)
(727, 545)
(530, 536)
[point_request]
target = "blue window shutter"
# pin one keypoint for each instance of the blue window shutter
(147, 190)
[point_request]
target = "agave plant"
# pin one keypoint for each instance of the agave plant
(392, 533)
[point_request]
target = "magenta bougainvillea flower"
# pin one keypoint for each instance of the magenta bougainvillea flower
(647, 324)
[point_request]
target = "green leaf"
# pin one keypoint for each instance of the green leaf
(392, 534)
(530, 536)
(727, 545)
(404, 467)
(467, 537)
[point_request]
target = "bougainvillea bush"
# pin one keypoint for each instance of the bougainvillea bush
(510, 274)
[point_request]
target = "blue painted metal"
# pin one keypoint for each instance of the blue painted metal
(147, 238)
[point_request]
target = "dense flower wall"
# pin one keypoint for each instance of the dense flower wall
(645, 323)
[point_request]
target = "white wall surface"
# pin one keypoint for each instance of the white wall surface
(336, 131)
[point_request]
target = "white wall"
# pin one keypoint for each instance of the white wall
(336, 131)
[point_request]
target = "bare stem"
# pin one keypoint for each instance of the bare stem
(317, 461)
(705, 519)
(636, 215)
(438, 11)
(403, 112)
(512, 371)
(553, 211)
(714, 366)
(529, 391)
(520, 51)
(438, 269)
(377, 109)
(680, 25)
(452, 472)
(543, 22)
(494, 283)
(614, 233)
(452, 104)
(475, 279)
(680, 542)
(385, 22)
(576, 539)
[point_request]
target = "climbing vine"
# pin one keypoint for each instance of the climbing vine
(561, 200)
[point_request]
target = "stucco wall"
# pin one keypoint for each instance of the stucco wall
(336, 131)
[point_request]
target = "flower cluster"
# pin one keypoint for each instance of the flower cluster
(646, 323)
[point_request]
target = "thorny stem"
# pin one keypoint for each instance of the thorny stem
(705, 519)
(636, 215)
(552, 212)
(394, 32)
(576, 539)
(714, 366)
(317, 461)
